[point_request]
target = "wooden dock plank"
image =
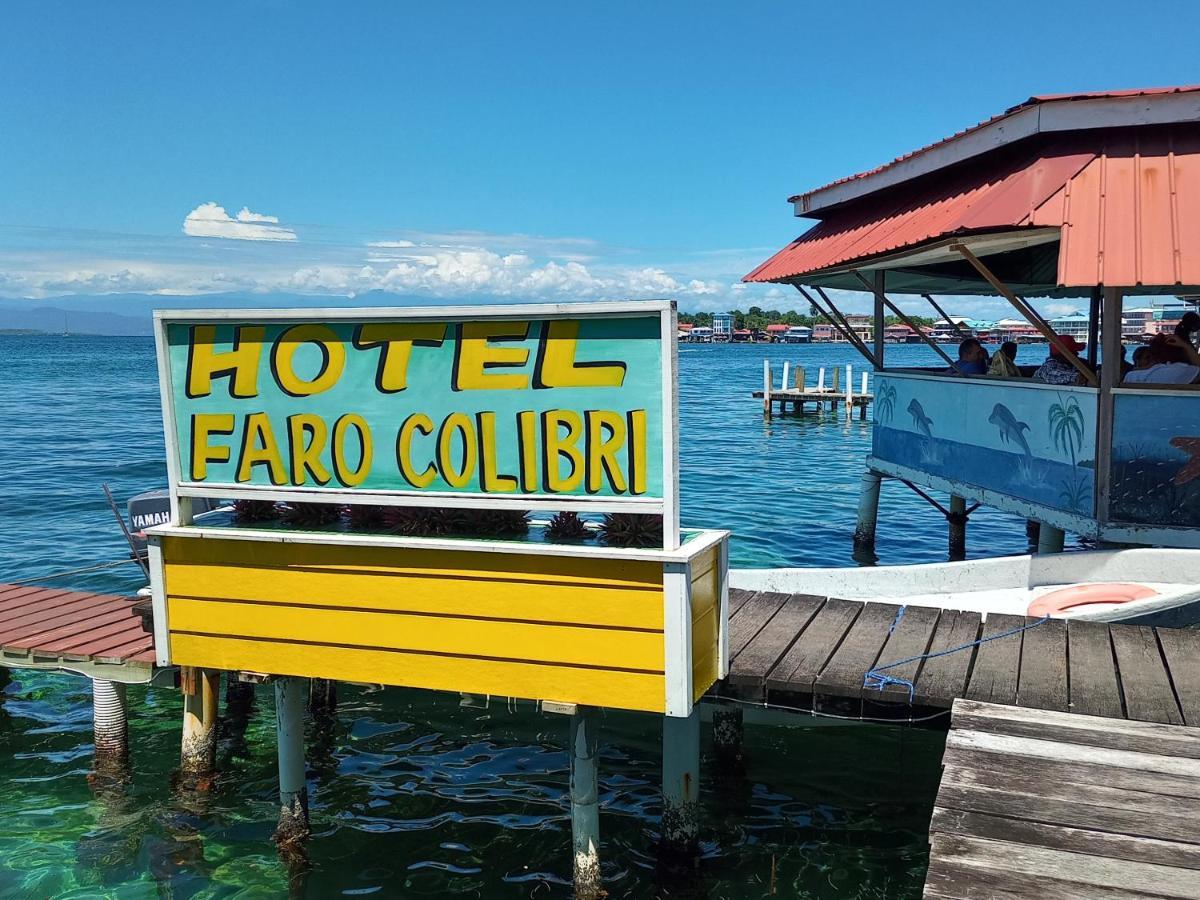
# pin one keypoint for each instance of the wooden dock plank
(843, 675)
(1179, 649)
(1145, 684)
(1043, 680)
(1093, 671)
(738, 598)
(997, 661)
(753, 615)
(56, 625)
(942, 678)
(800, 665)
(781, 631)
(910, 638)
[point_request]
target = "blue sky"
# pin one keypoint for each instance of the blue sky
(471, 150)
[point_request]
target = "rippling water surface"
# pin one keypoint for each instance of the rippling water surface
(414, 795)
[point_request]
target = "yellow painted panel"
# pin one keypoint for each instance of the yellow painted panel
(611, 604)
(704, 654)
(614, 648)
(705, 583)
(467, 564)
(594, 687)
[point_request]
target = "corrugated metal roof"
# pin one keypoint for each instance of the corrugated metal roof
(1127, 203)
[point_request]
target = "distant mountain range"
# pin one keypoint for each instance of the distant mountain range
(115, 314)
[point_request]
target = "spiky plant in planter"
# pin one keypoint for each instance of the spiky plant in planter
(566, 526)
(310, 515)
(248, 511)
(365, 518)
(632, 530)
(498, 522)
(424, 521)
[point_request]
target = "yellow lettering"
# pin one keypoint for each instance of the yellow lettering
(556, 365)
(347, 476)
(414, 423)
(475, 354)
(397, 341)
(259, 448)
(333, 359)
(527, 441)
(203, 426)
(457, 424)
(489, 481)
(558, 446)
(603, 448)
(307, 434)
(205, 364)
(637, 451)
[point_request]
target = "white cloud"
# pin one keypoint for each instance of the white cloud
(210, 220)
(391, 245)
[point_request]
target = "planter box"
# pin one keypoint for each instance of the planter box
(628, 629)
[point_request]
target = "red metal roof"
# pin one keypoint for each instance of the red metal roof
(1127, 203)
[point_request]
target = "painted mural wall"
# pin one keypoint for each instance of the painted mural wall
(1031, 441)
(1156, 459)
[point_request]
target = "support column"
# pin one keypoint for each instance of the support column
(728, 733)
(957, 521)
(293, 793)
(239, 706)
(868, 511)
(1033, 530)
(585, 804)
(681, 782)
(198, 754)
(110, 729)
(1050, 539)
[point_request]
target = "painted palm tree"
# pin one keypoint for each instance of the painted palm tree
(1066, 428)
(885, 403)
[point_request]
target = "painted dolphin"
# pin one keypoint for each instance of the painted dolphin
(1010, 428)
(920, 420)
(1191, 469)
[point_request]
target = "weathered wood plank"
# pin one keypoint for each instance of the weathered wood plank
(949, 879)
(1180, 649)
(765, 649)
(1042, 682)
(997, 661)
(737, 599)
(909, 638)
(753, 615)
(798, 668)
(1040, 749)
(843, 674)
(1058, 837)
(1093, 670)
(1144, 681)
(943, 678)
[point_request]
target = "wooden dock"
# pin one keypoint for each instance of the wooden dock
(98, 635)
(803, 652)
(794, 389)
(1037, 804)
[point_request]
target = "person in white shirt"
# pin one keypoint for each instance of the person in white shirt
(1173, 360)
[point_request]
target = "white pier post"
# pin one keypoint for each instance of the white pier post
(110, 728)
(198, 751)
(681, 782)
(787, 371)
(585, 804)
(863, 412)
(868, 512)
(293, 792)
(1050, 539)
(849, 392)
(767, 388)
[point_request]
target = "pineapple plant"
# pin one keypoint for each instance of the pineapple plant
(249, 511)
(365, 518)
(632, 530)
(310, 515)
(566, 526)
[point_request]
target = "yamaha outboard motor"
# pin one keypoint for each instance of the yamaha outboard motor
(154, 508)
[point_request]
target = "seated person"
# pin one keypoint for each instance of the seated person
(1188, 326)
(1141, 358)
(1172, 361)
(1056, 370)
(1004, 362)
(972, 358)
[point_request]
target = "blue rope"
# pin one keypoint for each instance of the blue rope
(875, 679)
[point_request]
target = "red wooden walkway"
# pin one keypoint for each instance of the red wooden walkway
(42, 627)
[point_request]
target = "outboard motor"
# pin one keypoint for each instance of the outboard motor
(154, 508)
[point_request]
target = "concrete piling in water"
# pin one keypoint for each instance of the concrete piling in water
(293, 792)
(681, 783)
(1050, 539)
(585, 804)
(727, 736)
(956, 519)
(868, 512)
(110, 729)
(1033, 529)
(198, 752)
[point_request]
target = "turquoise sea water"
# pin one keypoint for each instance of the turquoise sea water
(414, 795)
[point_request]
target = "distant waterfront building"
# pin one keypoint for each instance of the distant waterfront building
(1073, 324)
(798, 334)
(722, 326)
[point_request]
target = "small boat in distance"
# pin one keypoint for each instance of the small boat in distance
(1142, 586)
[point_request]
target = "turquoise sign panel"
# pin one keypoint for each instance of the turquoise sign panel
(556, 406)
(1030, 441)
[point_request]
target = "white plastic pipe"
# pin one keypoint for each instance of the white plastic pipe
(110, 717)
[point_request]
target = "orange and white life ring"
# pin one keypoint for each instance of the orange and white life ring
(1057, 602)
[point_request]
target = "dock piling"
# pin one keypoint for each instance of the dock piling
(681, 783)
(293, 792)
(868, 512)
(956, 519)
(1050, 539)
(767, 388)
(110, 728)
(198, 752)
(849, 392)
(728, 733)
(585, 804)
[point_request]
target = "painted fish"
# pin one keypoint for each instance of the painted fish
(1010, 428)
(920, 420)
(1191, 468)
